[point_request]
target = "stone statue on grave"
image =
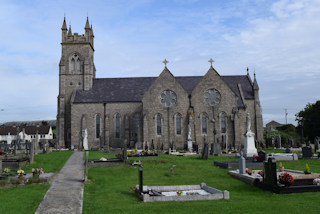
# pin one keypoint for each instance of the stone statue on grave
(249, 142)
(85, 140)
(189, 132)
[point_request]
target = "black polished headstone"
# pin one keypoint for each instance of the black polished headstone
(306, 152)
(270, 172)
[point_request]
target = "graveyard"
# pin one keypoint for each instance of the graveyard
(114, 188)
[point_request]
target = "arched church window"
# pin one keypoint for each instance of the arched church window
(178, 124)
(117, 121)
(159, 131)
(98, 126)
(204, 123)
(223, 122)
(168, 98)
(136, 123)
(72, 64)
(78, 65)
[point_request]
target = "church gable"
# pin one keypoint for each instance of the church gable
(165, 81)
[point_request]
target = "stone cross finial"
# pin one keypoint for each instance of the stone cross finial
(211, 61)
(165, 62)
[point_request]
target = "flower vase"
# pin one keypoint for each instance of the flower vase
(307, 172)
(35, 175)
(21, 177)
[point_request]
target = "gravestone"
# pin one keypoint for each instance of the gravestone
(211, 149)
(306, 152)
(288, 150)
(316, 143)
(217, 149)
(195, 147)
(140, 180)
(205, 152)
(263, 155)
(270, 172)
(242, 164)
(32, 151)
(0, 165)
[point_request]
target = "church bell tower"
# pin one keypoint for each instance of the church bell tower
(76, 72)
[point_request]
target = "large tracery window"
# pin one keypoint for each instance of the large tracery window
(204, 123)
(212, 97)
(223, 122)
(117, 123)
(159, 131)
(97, 125)
(178, 124)
(168, 98)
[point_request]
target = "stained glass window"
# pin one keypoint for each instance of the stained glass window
(178, 124)
(204, 124)
(97, 125)
(223, 122)
(159, 124)
(168, 98)
(212, 97)
(117, 125)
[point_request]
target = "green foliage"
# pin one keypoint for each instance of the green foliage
(309, 120)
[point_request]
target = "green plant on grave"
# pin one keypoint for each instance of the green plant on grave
(280, 165)
(307, 168)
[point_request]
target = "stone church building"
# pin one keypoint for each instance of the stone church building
(159, 110)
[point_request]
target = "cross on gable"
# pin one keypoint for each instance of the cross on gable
(165, 62)
(211, 61)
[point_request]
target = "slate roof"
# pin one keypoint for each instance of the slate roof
(30, 130)
(106, 90)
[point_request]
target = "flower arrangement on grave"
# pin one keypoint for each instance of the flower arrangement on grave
(286, 179)
(179, 192)
(6, 171)
(261, 172)
(281, 167)
(316, 181)
(224, 151)
(248, 171)
(1, 152)
(307, 169)
(134, 151)
(20, 174)
(36, 172)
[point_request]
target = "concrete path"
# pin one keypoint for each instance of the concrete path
(65, 194)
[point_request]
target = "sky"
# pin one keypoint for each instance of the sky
(278, 40)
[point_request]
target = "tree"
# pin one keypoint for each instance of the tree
(309, 120)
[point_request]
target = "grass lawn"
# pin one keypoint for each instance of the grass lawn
(26, 199)
(111, 189)
(51, 162)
